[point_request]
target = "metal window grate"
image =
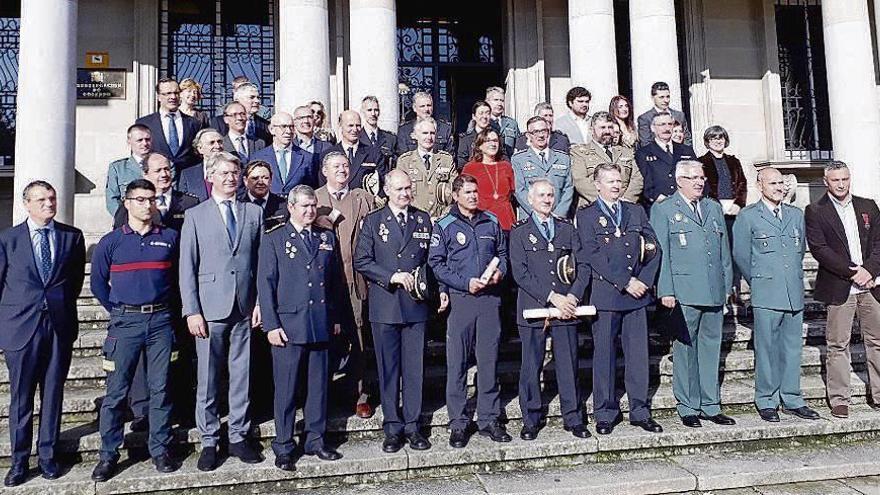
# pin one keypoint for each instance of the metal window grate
(9, 47)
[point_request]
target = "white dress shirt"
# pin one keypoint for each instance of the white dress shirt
(36, 238)
(847, 214)
(178, 123)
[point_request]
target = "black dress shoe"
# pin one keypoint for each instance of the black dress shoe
(17, 474)
(245, 453)
(579, 431)
(604, 428)
(458, 439)
(284, 463)
(51, 469)
(719, 419)
(326, 454)
(417, 441)
(648, 425)
(207, 459)
(769, 415)
(104, 470)
(496, 432)
(528, 433)
(165, 463)
(392, 444)
(139, 424)
(802, 412)
(691, 421)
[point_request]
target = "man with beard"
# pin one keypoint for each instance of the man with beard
(585, 158)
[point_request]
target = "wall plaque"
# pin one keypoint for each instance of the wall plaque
(100, 84)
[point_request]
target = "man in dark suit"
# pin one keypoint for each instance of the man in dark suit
(257, 179)
(291, 165)
(481, 119)
(304, 124)
(843, 232)
(42, 263)
(298, 320)
(174, 141)
(371, 133)
(256, 127)
(393, 244)
(657, 158)
(196, 180)
(423, 105)
(368, 164)
(235, 139)
(661, 96)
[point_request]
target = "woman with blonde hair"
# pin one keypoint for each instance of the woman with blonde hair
(190, 97)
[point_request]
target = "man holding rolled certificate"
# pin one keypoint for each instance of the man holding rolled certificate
(468, 255)
(548, 265)
(621, 248)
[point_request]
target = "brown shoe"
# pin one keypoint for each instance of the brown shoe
(364, 411)
(840, 411)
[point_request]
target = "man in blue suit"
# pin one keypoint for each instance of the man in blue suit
(304, 125)
(393, 243)
(196, 180)
(174, 141)
(656, 160)
(291, 165)
(300, 282)
(42, 263)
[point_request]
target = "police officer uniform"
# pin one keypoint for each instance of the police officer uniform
(535, 252)
(299, 282)
(461, 249)
(384, 248)
(555, 166)
(431, 175)
(657, 166)
(619, 244)
(133, 277)
(696, 269)
(586, 157)
(769, 251)
(119, 174)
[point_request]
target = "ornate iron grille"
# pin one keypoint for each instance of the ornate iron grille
(802, 73)
(9, 29)
(215, 41)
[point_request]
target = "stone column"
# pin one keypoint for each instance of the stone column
(654, 51)
(304, 54)
(592, 49)
(373, 71)
(850, 71)
(46, 104)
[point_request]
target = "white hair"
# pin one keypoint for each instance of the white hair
(683, 166)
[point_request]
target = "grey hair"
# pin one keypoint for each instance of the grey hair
(601, 117)
(541, 180)
(222, 157)
(370, 98)
(197, 140)
(300, 190)
(37, 183)
(604, 167)
(494, 89)
(421, 94)
(543, 106)
(835, 165)
(427, 120)
(333, 154)
(684, 165)
(245, 87)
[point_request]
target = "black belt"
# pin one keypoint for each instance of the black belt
(143, 308)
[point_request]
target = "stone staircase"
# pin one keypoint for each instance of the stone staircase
(360, 440)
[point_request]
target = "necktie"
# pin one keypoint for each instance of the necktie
(250, 131)
(669, 149)
(45, 255)
(338, 195)
(282, 165)
(608, 151)
(373, 137)
(173, 138)
(545, 226)
(696, 208)
(543, 157)
(427, 160)
(161, 205)
(242, 149)
(307, 239)
(230, 221)
(614, 210)
(351, 155)
(401, 220)
(776, 213)
(259, 202)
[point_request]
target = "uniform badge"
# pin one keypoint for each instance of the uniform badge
(419, 220)
(682, 240)
(290, 249)
(550, 247)
(603, 222)
(533, 239)
(460, 237)
(323, 237)
(383, 232)
(797, 238)
(678, 217)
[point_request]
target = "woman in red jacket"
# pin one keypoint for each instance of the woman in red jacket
(494, 176)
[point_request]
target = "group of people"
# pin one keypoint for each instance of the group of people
(229, 224)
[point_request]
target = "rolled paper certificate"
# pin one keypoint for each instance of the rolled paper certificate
(534, 314)
(334, 215)
(726, 206)
(487, 274)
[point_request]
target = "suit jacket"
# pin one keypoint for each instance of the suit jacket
(646, 135)
(558, 141)
(119, 174)
(586, 157)
(253, 145)
(300, 168)
(527, 166)
(192, 182)
(828, 244)
(381, 251)
(274, 209)
(186, 155)
(261, 128)
(614, 260)
(445, 139)
(770, 255)
(737, 177)
(567, 126)
(352, 209)
(218, 275)
(173, 217)
(23, 293)
(367, 160)
(658, 169)
(319, 149)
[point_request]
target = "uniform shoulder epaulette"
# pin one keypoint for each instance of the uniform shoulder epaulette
(524, 150)
(751, 206)
(406, 155)
(443, 152)
(491, 216)
(561, 219)
(661, 201)
(119, 160)
(273, 228)
(445, 220)
(520, 223)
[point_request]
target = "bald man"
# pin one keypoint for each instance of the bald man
(368, 164)
(291, 165)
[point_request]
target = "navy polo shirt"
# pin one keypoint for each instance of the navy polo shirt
(130, 268)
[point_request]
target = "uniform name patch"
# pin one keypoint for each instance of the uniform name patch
(160, 243)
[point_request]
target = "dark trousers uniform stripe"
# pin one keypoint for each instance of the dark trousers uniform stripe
(565, 345)
(400, 350)
(631, 327)
(286, 363)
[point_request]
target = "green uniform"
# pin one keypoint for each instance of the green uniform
(431, 186)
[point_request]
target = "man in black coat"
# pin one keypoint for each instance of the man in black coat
(174, 141)
(423, 105)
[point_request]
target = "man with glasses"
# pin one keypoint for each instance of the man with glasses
(134, 277)
(586, 158)
(538, 161)
(291, 165)
(304, 125)
(235, 140)
(172, 131)
(256, 127)
(696, 276)
(656, 160)
(558, 140)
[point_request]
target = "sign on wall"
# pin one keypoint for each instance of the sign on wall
(100, 84)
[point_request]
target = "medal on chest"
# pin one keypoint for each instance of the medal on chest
(290, 249)
(383, 232)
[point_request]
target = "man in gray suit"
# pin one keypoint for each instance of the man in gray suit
(218, 262)
(576, 123)
(660, 94)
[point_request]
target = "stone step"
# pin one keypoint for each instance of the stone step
(628, 461)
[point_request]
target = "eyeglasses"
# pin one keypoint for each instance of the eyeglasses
(283, 126)
(142, 200)
(236, 115)
(539, 131)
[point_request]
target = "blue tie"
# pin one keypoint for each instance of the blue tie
(282, 165)
(250, 131)
(45, 255)
(173, 139)
(230, 221)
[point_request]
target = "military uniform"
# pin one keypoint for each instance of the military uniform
(619, 244)
(769, 251)
(461, 249)
(534, 257)
(696, 269)
(431, 186)
(119, 174)
(555, 167)
(657, 166)
(586, 157)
